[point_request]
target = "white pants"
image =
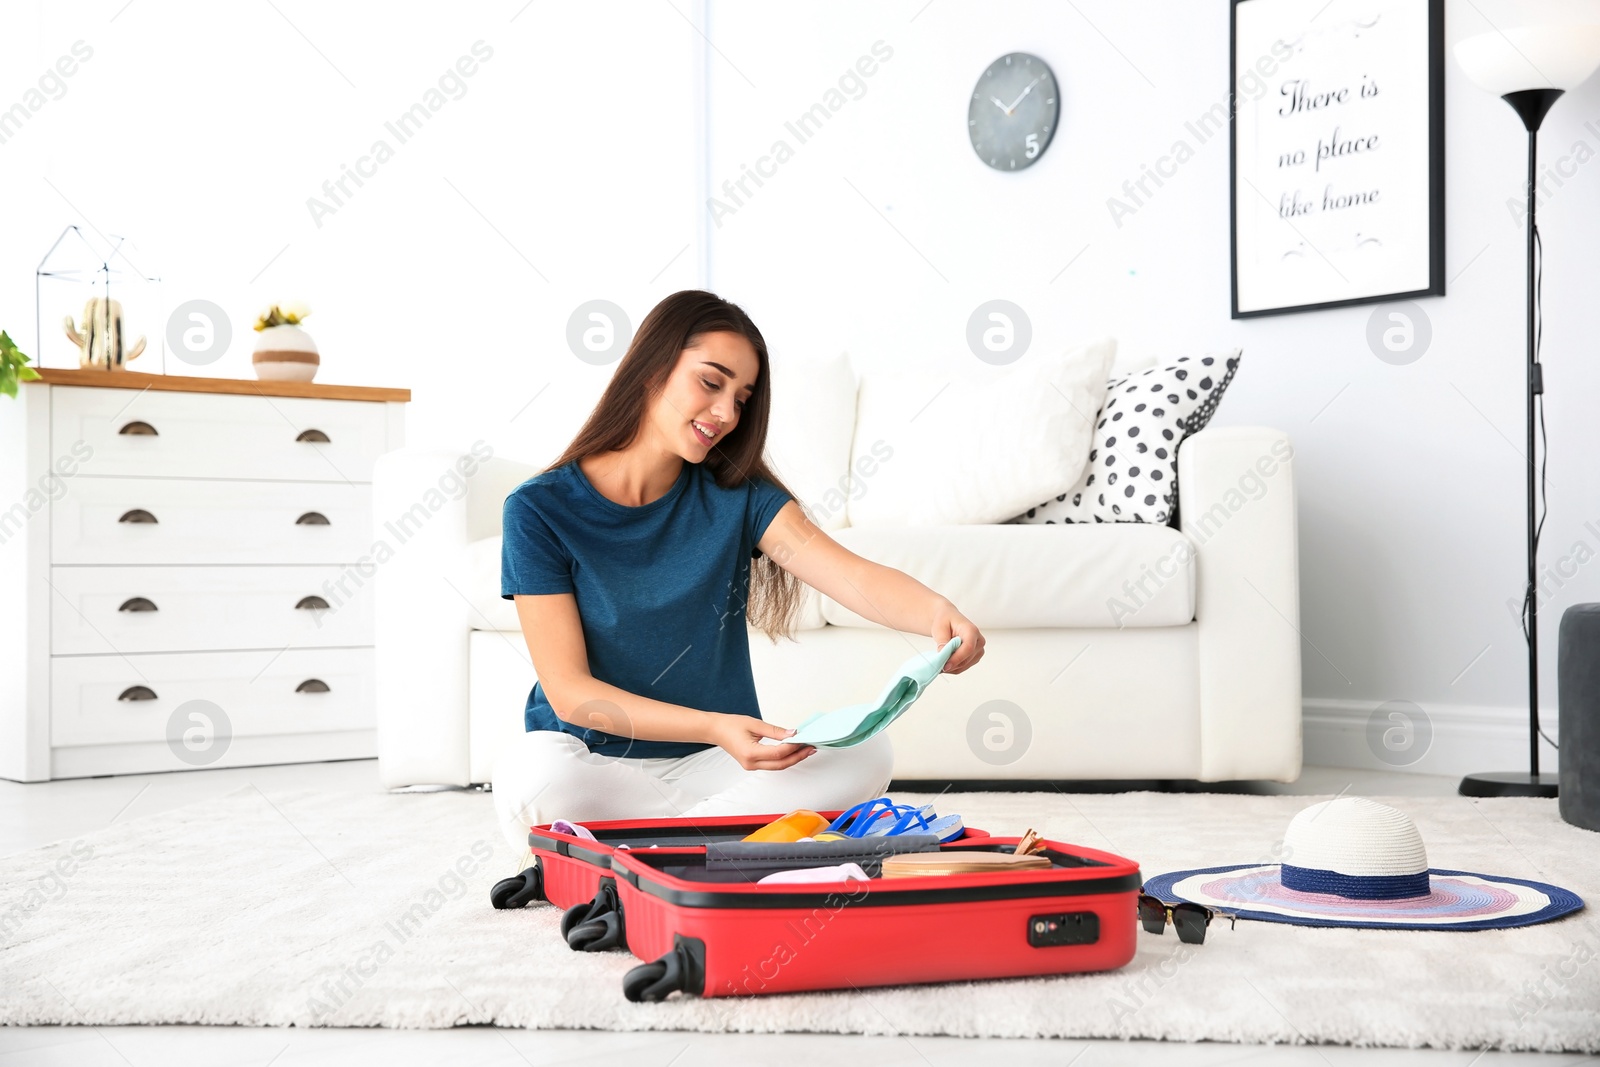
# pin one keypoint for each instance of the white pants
(547, 775)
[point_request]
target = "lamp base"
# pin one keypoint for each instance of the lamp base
(1508, 784)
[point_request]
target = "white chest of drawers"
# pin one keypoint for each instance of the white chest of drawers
(184, 572)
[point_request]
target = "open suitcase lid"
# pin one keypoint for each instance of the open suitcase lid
(673, 833)
(1078, 871)
(642, 833)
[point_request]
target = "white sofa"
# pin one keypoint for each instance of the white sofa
(1122, 651)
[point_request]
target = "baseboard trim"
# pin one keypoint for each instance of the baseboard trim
(1464, 738)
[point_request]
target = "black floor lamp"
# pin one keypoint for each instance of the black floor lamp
(1529, 67)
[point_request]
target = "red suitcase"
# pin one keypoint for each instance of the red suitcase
(715, 937)
(574, 873)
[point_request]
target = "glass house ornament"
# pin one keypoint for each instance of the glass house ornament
(106, 305)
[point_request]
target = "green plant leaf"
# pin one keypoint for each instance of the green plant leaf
(13, 366)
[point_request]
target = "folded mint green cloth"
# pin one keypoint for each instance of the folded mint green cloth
(852, 725)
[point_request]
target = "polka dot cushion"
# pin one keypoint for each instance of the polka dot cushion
(1132, 474)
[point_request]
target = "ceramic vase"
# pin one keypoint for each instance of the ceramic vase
(285, 353)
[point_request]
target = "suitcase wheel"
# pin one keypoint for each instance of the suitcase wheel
(596, 924)
(597, 935)
(683, 969)
(518, 891)
(654, 981)
(574, 915)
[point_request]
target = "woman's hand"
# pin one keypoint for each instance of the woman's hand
(948, 623)
(740, 736)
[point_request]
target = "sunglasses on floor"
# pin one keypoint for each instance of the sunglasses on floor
(1190, 920)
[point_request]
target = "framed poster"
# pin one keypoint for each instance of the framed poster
(1336, 141)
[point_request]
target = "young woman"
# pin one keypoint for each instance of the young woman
(630, 563)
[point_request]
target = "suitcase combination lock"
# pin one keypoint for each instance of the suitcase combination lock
(1067, 928)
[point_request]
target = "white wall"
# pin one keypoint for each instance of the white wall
(1410, 477)
(578, 153)
(567, 171)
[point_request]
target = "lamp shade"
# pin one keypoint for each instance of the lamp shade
(1530, 57)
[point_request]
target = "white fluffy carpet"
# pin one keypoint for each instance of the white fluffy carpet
(287, 911)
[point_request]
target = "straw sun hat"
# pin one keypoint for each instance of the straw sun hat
(1354, 862)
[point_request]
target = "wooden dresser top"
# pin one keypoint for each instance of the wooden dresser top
(181, 383)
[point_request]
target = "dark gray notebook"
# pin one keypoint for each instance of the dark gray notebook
(767, 856)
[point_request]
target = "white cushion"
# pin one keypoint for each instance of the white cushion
(1021, 577)
(1129, 362)
(489, 610)
(933, 451)
(809, 431)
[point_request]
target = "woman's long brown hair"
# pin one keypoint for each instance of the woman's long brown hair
(775, 595)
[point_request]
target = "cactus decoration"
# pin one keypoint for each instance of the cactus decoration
(100, 340)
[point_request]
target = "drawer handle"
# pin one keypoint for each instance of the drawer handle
(312, 685)
(312, 435)
(312, 518)
(137, 692)
(138, 603)
(139, 428)
(311, 602)
(137, 515)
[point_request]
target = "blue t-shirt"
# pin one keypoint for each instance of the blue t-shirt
(661, 589)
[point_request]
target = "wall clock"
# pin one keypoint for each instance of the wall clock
(1013, 111)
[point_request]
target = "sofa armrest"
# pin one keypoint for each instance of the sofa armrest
(1237, 506)
(428, 505)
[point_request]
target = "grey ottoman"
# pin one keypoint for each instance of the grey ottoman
(1578, 672)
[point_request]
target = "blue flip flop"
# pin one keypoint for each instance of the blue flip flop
(909, 820)
(877, 820)
(859, 817)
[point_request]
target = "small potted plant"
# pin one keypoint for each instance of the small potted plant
(13, 366)
(284, 352)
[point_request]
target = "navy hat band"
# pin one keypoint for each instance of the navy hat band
(1354, 886)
